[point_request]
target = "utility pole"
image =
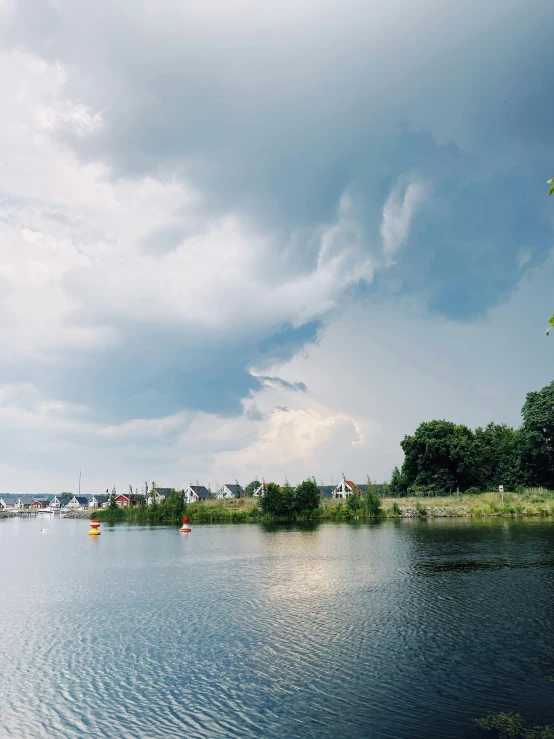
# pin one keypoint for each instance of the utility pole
(79, 482)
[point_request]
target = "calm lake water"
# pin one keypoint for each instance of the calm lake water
(399, 629)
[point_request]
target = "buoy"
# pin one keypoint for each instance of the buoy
(94, 527)
(185, 528)
(43, 531)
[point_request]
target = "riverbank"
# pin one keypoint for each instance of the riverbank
(533, 502)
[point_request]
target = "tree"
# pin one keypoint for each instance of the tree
(372, 500)
(113, 495)
(537, 438)
(439, 458)
(288, 500)
(497, 456)
(238, 488)
(307, 496)
(397, 486)
(271, 500)
(252, 487)
(354, 503)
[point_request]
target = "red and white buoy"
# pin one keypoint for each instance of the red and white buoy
(185, 528)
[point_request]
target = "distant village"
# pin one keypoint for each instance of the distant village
(192, 494)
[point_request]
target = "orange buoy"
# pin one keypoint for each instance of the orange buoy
(94, 527)
(185, 528)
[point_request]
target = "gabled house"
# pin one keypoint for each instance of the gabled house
(78, 501)
(98, 501)
(23, 502)
(39, 503)
(259, 491)
(59, 501)
(158, 494)
(345, 489)
(8, 501)
(196, 493)
(230, 491)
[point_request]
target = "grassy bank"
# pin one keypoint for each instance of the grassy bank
(533, 502)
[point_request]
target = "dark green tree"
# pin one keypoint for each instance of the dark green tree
(439, 458)
(271, 499)
(307, 496)
(397, 485)
(497, 457)
(288, 501)
(537, 438)
(252, 487)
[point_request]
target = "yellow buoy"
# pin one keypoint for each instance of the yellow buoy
(94, 528)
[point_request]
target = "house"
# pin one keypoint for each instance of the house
(98, 501)
(59, 501)
(39, 503)
(78, 501)
(8, 501)
(123, 500)
(195, 493)
(345, 489)
(23, 502)
(158, 494)
(230, 491)
(259, 491)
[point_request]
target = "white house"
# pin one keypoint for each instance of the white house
(259, 491)
(78, 501)
(98, 501)
(195, 493)
(158, 494)
(345, 489)
(8, 501)
(59, 501)
(230, 491)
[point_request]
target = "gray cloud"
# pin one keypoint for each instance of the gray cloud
(279, 382)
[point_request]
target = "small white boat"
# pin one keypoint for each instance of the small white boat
(43, 531)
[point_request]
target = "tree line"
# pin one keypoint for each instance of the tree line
(442, 457)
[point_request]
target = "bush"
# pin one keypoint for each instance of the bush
(395, 510)
(421, 509)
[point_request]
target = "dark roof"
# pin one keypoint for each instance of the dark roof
(43, 500)
(99, 498)
(164, 491)
(63, 499)
(9, 498)
(235, 489)
(201, 491)
(81, 499)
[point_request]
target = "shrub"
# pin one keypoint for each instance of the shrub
(421, 509)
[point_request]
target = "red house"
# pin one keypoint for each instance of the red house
(124, 501)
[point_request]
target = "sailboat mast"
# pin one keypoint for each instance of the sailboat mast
(79, 482)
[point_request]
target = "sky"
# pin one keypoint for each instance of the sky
(249, 240)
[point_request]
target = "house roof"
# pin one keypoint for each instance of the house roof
(235, 489)
(99, 498)
(42, 500)
(164, 491)
(81, 499)
(201, 491)
(62, 499)
(9, 498)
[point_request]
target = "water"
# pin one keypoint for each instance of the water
(400, 629)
